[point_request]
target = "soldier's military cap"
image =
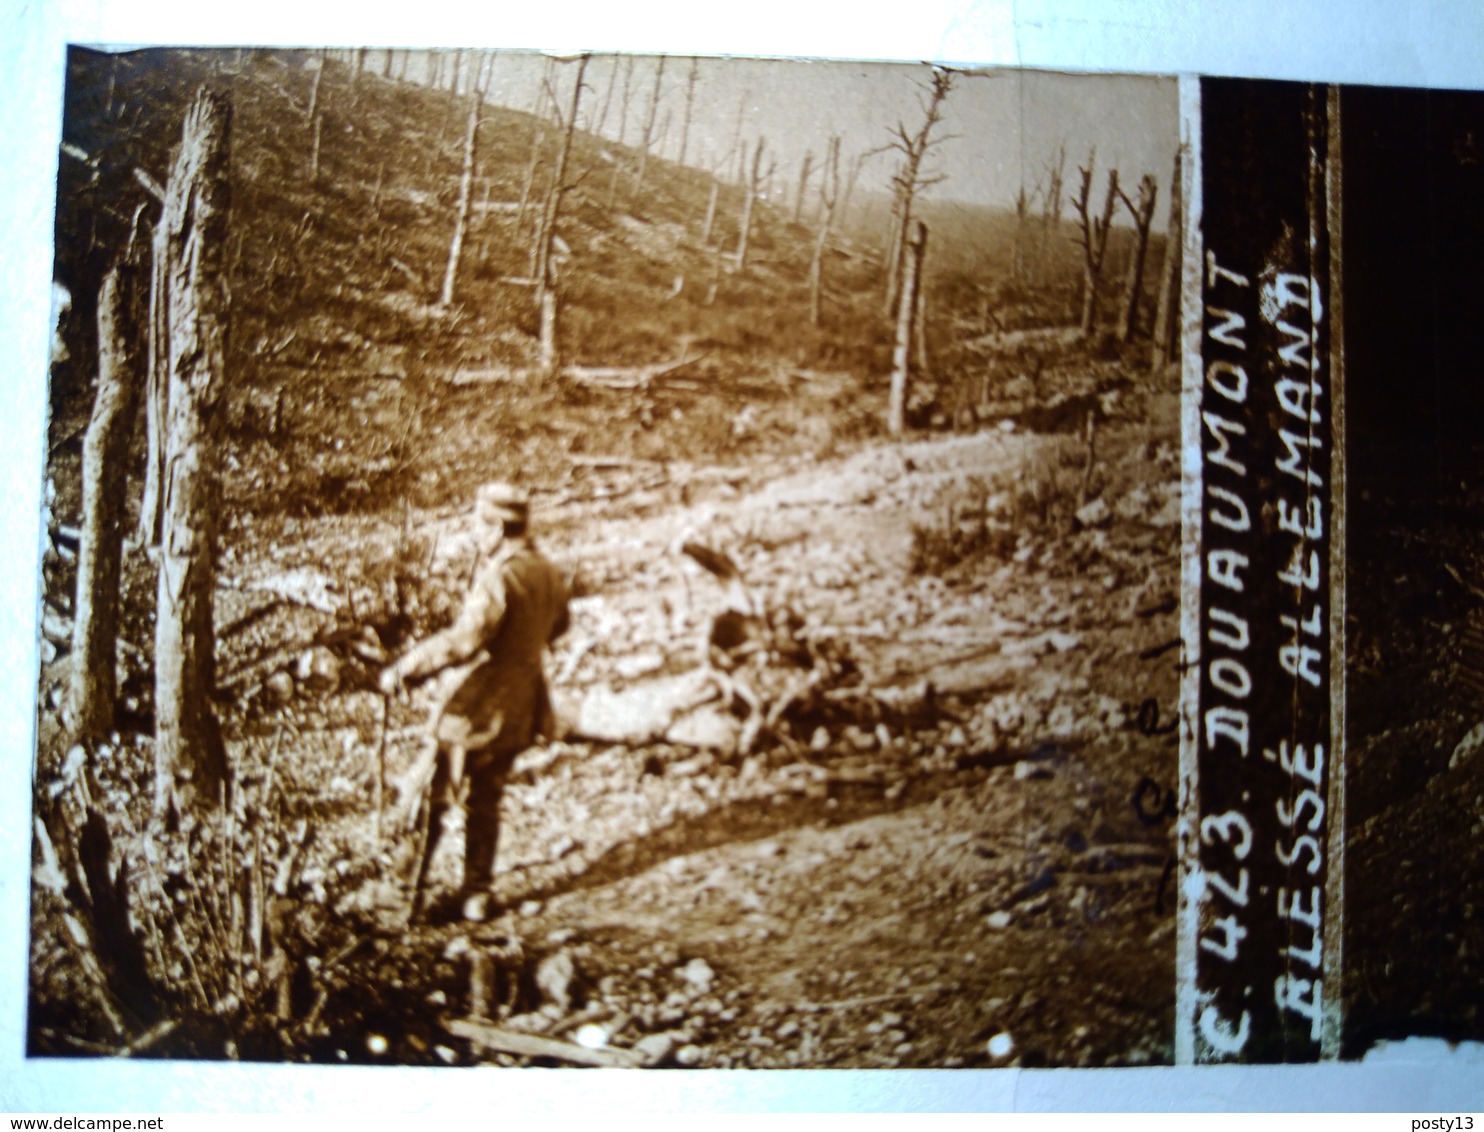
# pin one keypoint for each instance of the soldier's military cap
(504, 500)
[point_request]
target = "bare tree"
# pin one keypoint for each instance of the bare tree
(852, 178)
(1143, 214)
(911, 178)
(896, 417)
(625, 98)
(1051, 205)
(190, 759)
(93, 683)
(538, 141)
(151, 505)
(546, 299)
(484, 75)
(691, 78)
(546, 103)
(647, 138)
(805, 169)
(1092, 237)
(751, 187)
(466, 187)
(1023, 202)
(597, 126)
(829, 197)
(710, 209)
(736, 148)
(1167, 313)
(717, 163)
(319, 74)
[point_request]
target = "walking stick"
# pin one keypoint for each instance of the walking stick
(386, 709)
(425, 847)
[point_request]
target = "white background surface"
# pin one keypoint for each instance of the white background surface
(1436, 43)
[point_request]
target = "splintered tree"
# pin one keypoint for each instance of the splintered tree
(715, 165)
(466, 188)
(806, 168)
(546, 297)
(1143, 214)
(910, 177)
(751, 186)
(896, 415)
(852, 178)
(625, 98)
(597, 120)
(190, 760)
(829, 198)
(691, 78)
(1023, 201)
(1092, 237)
(93, 684)
(1167, 313)
(1051, 205)
(651, 118)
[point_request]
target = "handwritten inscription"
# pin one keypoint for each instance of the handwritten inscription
(1263, 508)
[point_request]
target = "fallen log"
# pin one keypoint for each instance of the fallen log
(628, 377)
(586, 461)
(500, 1040)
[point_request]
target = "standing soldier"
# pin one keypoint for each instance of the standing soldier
(515, 608)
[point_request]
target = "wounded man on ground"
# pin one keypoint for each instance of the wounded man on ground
(515, 608)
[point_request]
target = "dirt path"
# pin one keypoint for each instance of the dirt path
(988, 889)
(959, 855)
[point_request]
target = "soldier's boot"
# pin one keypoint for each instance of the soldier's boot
(434, 827)
(481, 840)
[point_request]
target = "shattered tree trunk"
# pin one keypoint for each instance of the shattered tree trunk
(919, 319)
(190, 761)
(156, 385)
(750, 188)
(710, 211)
(548, 357)
(648, 138)
(546, 266)
(551, 213)
(93, 687)
(896, 244)
(1143, 214)
(466, 189)
(829, 196)
(690, 100)
(816, 273)
(1093, 237)
(314, 152)
(1167, 313)
(896, 420)
(1022, 213)
(805, 169)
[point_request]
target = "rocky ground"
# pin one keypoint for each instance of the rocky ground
(950, 846)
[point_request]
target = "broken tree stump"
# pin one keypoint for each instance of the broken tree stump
(190, 759)
(896, 417)
(93, 680)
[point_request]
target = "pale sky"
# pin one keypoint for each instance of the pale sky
(999, 126)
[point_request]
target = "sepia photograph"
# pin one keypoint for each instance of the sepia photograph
(610, 560)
